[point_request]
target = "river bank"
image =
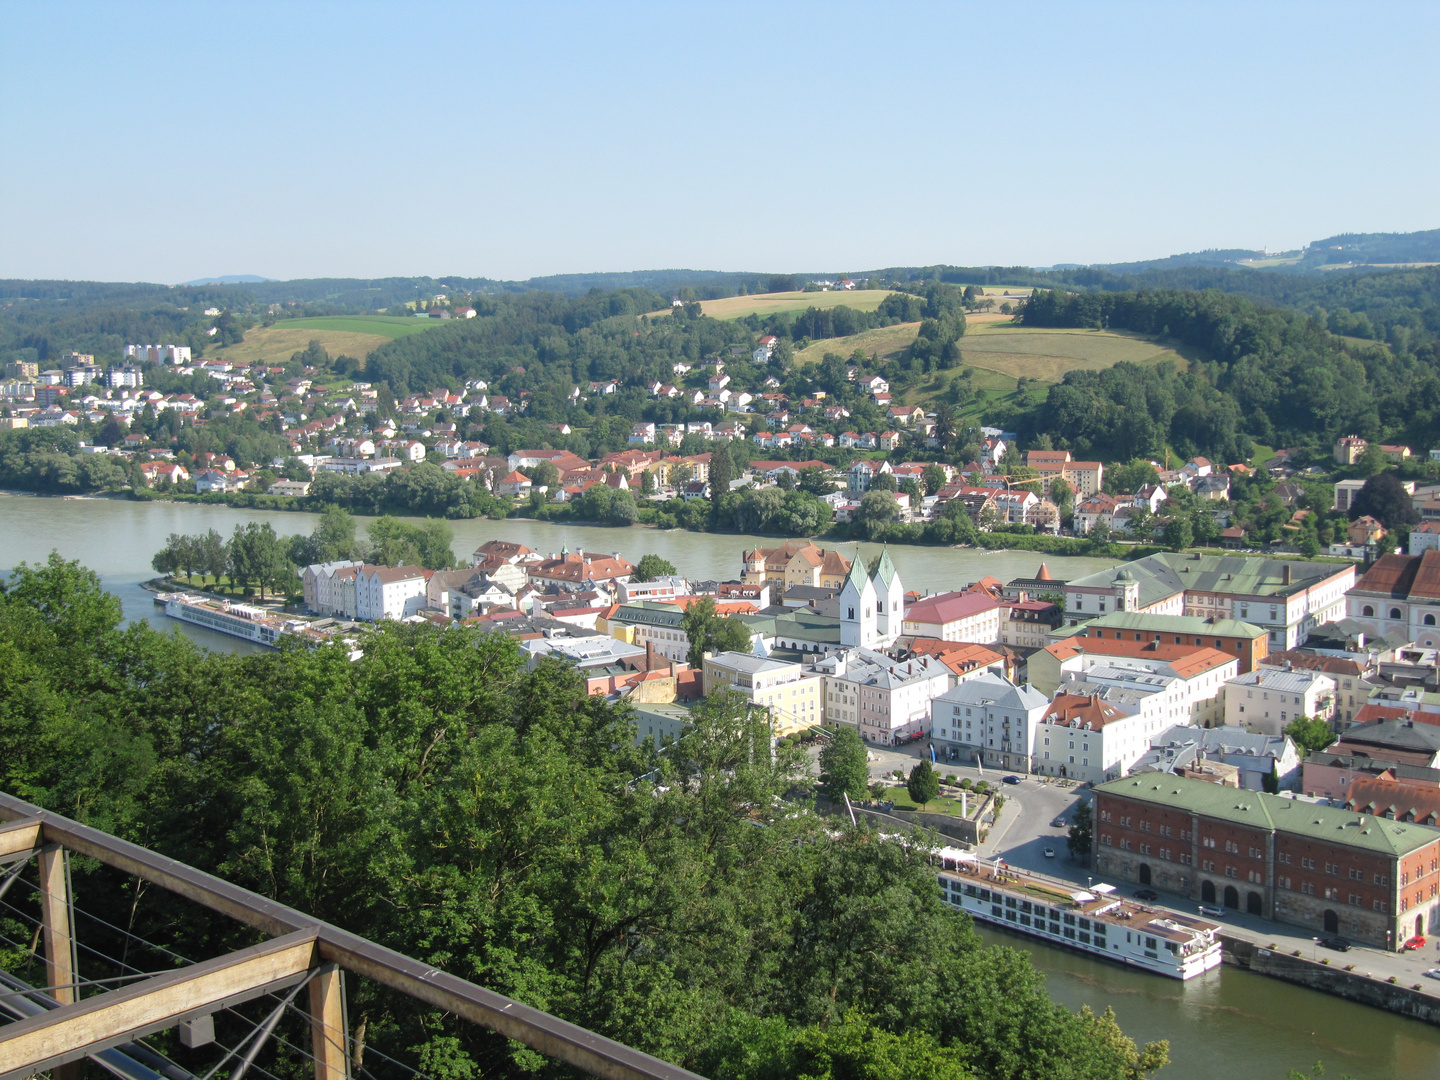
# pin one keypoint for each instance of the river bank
(1043, 544)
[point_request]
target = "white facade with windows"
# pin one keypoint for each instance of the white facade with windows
(989, 720)
(1268, 698)
(887, 701)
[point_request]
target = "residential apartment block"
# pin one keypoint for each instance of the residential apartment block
(1268, 698)
(987, 719)
(886, 700)
(792, 694)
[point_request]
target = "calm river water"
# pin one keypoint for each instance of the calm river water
(1229, 1024)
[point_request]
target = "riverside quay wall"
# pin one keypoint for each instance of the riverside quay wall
(1353, 986)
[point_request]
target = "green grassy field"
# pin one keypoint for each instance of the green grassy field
(887, 342)
(737, 307)
(1048, 354)
(389, 326)
(341, 335)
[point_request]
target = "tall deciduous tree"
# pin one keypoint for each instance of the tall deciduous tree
(652, 566)
(844, 766)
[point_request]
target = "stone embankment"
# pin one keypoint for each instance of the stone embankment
(1331, 978)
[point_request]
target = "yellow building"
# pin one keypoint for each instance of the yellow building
(795, 562)
(792, 696)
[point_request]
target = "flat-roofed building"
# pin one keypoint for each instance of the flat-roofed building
(1200, 670)
(1329, 870)
(788, 691)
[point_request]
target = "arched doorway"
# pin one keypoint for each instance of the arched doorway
(1332, 922)
(1419, 925)
(1145, 875)
(1207, 892)
(1232, 897)
(1254, 905)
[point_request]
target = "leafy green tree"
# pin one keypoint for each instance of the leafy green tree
(815, 481)
(1081, 836)
(708, 631)
(1309, 733)
(876, 510)
(884, 482)
(652, 566)
(844, 766)
(1178, 533)
(546, 475)
(933, 477)
(923, 783)
(334, 535)
(1385, 499)
(1309, 545)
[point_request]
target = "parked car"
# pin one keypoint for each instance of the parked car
(1058, 823)
(1010, 780)
(1049, 853)
(1433, 973)
(1146, 894)
(1339, 944)
(1211, 909)
(1416, 942)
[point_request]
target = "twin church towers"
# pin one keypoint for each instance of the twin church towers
(872, 606)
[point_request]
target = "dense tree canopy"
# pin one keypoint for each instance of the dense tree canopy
(501, 824)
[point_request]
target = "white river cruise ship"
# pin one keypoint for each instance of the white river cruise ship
(1091, 920)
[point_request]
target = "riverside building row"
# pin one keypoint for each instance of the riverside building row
(1327, 869)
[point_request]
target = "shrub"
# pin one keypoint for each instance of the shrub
(966, 784)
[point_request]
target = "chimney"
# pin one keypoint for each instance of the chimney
(1286, 574)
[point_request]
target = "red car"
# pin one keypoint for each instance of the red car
(1416, 942)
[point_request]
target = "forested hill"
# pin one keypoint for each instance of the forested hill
(1274, 375)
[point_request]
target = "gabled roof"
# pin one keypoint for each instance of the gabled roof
(948, 607)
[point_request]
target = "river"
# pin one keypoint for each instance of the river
(1228, 1024)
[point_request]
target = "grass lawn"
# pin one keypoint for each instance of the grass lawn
(939, 805)
(887, 342)
(735, 307)
(390, 326)
(1048, 354)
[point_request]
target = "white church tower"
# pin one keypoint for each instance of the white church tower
(858, 618)
(889, 600)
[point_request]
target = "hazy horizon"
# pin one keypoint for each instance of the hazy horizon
(160, 142)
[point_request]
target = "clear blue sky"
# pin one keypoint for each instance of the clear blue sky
(166, 141)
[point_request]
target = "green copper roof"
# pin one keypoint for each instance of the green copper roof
(858, 577)
(1293, 816)
(885, 569)
(1176, 624)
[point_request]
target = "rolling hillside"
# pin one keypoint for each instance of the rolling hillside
(341, 335)
(737, 307)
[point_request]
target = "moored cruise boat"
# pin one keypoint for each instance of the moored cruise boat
(238, 620)
(1091, 920)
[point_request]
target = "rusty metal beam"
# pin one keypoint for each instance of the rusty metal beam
(77, 1030)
